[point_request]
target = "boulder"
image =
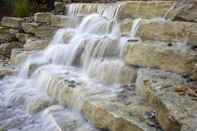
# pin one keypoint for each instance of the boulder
(59, 7)
(143, 9)
(39, 30)
(43, 17)
(162, 90)
(6, 48)
(45, 31)
(5, 35)
(36, 44)
(64, 21)
(169, 31)
(175, 58)
(12, 22)
(30, 27)
(22, 37)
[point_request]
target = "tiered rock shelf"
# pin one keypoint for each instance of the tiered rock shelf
(157, 73)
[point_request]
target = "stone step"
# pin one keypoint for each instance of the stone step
(170, 31)
(108, 108)
(6, 34)
(126, 9)
(172, 57)
(56, 20)
(39, 30)
(13, 22)
(22, 37)
(33, 44)
(6, 48)
(169, 94)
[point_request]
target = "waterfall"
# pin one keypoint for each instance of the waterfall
(89, 50)
(105, 10)
(135, 26)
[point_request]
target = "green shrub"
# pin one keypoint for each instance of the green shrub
(20, 8)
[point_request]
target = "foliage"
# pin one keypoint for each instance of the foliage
(19, 8)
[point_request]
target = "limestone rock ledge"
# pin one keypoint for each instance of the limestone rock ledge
(175, 57)
(175, 112)
(105, 107)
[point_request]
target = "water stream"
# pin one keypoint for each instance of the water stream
(93, 50)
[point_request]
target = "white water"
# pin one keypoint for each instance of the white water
(95, 46)
(135, 28)
(105, 10)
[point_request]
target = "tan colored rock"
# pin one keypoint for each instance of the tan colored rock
(59, 7)
(19, 56)
(144, 9)
(12, 22)
(126, 26)
(65, 21)
(45, 31)
(169, 31)
(43, 17)
(6, 48)
(176, 58)
(38, 30)
(106, 108)
(5, 35)
(175, 112)
(36, 44)
(22, 37)
(30, 27)
(60, 21)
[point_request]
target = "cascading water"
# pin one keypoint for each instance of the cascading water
(135, 27)
(105, 10)
(93, 47)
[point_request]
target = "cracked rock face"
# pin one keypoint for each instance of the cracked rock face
(174, 112)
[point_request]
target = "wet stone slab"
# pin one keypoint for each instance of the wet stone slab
(109, 108)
